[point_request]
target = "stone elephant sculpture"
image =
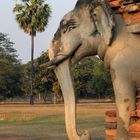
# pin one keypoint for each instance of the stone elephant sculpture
(91, 28)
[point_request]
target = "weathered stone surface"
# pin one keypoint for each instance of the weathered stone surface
(135, 135)
(125, 6)
(135, 127)
(138, 121)
(134, 29)
(115, 3)
(131, 19)
(111, 132)
(134, 130)
(109, 138)
(132, 8)
(138, 106)
(110, 119)
(111, 113)
(138, 91)
(138, 113)
(133, 114)
(111, 125)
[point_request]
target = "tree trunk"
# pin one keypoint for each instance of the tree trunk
(39, 97)
(32, 70)
(54, 98)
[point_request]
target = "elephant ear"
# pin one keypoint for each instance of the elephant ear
(104, 21)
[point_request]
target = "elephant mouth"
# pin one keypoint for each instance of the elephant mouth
(60, 57)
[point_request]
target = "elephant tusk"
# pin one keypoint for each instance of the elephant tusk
(49, 64)
(63, 74)
(56, 61)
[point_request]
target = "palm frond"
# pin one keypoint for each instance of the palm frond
(32, 15)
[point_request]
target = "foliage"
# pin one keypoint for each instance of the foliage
(83, 77)
(44, 77)
(10, 69)
(32, 15)
(102, 81)
(91, 79)
(45, 80)
(57, 94)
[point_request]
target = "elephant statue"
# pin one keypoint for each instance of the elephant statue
(92, 28)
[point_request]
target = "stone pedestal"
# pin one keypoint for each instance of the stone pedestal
(110, 124)
(134, 128)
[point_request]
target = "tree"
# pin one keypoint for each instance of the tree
(10, 69)
(44, 77)
(32, 16)
(26, 79)
(57, 93)
(102, 81)
(91, 79)
(46, 81)
(83, 77)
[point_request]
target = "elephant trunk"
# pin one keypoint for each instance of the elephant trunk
(63, 74)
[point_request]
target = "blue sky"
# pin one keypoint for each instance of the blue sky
(22, 41)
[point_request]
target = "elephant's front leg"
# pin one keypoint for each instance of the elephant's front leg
(125, 102)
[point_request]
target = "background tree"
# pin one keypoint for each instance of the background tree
(91, 79)
(83, 77)
(102, 81)
(44, 77)
(10, 69)
(32, 16)
(26, 80)
(57, 93)
(45, 81)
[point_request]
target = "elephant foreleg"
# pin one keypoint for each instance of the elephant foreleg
(125, 102)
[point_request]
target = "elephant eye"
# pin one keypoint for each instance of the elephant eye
(70, 28)
(67, 26)
(94, 14)
(64, 30)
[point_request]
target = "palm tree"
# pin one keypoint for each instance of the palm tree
(32, 16)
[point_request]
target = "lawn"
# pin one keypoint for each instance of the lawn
(46, 122)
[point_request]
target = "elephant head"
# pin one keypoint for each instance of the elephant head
(81, 28)
(84, 31)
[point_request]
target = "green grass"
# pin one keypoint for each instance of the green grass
(47, 123)
(40, 128)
